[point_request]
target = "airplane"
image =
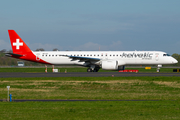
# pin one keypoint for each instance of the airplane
(94, 60)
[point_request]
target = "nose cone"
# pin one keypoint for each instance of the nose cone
(174, 61)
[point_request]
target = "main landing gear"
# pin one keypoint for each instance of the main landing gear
(93, 69)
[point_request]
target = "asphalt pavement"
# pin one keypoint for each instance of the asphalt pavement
(83, 74)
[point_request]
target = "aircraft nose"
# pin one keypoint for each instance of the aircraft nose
(174, 61)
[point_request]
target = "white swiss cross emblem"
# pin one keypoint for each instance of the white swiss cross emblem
(17, 44)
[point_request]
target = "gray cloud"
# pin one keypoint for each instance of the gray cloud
(47, 47)
(90, 46)
(4, 45)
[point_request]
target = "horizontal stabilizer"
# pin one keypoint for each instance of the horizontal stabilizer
(14, 55)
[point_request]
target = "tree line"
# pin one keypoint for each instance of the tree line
(9, 61)
(177, 57)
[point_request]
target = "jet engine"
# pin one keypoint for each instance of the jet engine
(110, 65)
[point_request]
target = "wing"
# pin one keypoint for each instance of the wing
(82, 59)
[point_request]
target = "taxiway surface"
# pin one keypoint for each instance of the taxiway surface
(84, 74)
(43, 100)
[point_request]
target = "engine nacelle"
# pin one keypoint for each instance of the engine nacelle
(110, 65)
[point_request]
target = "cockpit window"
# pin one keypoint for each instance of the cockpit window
(166, 55)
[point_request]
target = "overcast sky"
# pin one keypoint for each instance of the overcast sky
(89, 24)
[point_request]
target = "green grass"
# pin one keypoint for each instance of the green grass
(49, 69)
(100, 110)
(164, 89)
(104, 88)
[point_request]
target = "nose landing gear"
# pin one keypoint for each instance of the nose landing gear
(158, 68)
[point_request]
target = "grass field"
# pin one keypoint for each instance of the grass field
(166, 90)
(49, 69)
(101, 110)
(113, 88)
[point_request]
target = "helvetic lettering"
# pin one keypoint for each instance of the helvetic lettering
(137, 55)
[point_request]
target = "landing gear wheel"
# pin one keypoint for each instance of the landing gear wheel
(89, 70)
(93, 70)
(96, 70)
